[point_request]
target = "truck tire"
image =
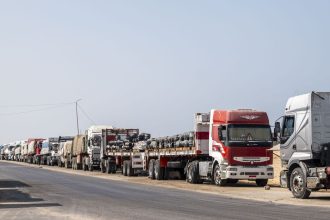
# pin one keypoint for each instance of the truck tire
(84, 167)
(130, 171)
(193, 173)
(151, 169)
(298, 184)
(125, 168)
(159, 171)
(107, 167)
(90, 167)
(261, 182)
(217, 176)
(102, 166)
(113, 168)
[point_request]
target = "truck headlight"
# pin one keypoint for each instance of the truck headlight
(232, 169)
(270, 169)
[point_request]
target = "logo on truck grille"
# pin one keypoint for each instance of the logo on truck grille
(250, 117)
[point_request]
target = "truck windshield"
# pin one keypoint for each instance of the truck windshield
(45, 144)
(96, 140)
(249, 135)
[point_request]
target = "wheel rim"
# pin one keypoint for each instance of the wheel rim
(217, 176)
(297, 183)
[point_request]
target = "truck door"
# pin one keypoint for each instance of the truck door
(288, 140)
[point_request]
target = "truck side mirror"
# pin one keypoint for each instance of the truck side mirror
(277, 130)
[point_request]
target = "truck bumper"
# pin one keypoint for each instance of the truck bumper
(96, 163)
(248, 173)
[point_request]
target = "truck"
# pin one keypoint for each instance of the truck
(45, 152)
(10, 151)
(119, 145)
(304, 136)
(48, 154)
(226, 146)
(53, 158)
(24, 152)
(91, 158)
(18, 150)
(65, 152)
(34, 146)
(2, 152)
(79, 151)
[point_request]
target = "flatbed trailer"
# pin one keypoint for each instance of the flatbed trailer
(226, 146)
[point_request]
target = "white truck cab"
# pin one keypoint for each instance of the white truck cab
(304, 136)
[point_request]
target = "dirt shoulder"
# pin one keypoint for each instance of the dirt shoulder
(242, 190)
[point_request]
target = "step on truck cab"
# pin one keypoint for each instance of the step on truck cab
(304, 136)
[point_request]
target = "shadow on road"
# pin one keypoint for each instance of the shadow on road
(326, 198)
(12, 184)
(28, 205)
(17, 198)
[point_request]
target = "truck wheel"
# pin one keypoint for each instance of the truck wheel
(130, 171)
(102, 167)
(84, 167)
(107, 167)
(159, 171)
(217, 176)
(298, 184)
(125, 168)
(90, 167)
(192, 173)
(261, 182)
(152, 169)
(113, 168)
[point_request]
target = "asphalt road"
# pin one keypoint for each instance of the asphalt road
(35, 193)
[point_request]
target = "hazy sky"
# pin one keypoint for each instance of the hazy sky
(153, 64)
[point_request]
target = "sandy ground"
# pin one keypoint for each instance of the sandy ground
(243, 190)
(277, 168)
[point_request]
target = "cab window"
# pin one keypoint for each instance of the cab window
(288, 128)
(222, 133)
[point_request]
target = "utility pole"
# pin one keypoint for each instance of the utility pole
(77, 117)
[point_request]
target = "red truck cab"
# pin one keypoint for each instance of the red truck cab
(240, 143)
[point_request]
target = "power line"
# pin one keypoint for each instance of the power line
(35, 110)
(86, 115)
(35, 105)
